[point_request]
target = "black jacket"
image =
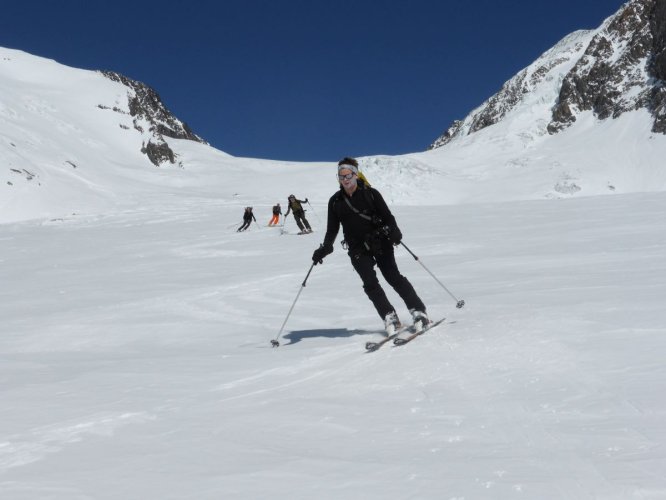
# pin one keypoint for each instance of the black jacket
(356, 229)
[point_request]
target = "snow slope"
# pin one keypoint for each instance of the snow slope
(136, 360)
(135, 357)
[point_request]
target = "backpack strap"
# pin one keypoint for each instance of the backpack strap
(370, 198)
(356, 210)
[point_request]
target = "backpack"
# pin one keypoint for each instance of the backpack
(363, 179)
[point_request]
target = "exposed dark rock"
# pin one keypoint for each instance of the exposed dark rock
(610, 79)
(562, 117)
(451, 132)
(158, 153)
(621, 68)
(145, 106)
(657, 67)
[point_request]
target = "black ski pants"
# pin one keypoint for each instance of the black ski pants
(364, 264)
(302, 222)
(244, 226)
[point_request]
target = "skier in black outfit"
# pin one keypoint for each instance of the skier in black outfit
(247, 219)
(299, 214)
(370, 231)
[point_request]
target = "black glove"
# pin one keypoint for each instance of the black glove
(395, 236)
(306, 200)
(320, 253)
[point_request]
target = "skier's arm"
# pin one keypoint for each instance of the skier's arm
(389, 224)
(332, 226)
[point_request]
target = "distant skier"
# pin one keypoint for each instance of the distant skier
(248, 216)
(370, 231)
(299, 214)
(277, 211)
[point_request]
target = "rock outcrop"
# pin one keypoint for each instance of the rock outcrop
(148, 111)
(617, 68)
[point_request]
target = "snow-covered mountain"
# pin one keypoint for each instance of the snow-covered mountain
(585, 119)
(535, 88)
(618, 68)
(66, 134)
(75, 141)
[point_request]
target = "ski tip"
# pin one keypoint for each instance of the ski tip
(371, 346)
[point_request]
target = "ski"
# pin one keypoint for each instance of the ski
(399, 342)
(373, 346)
(300, 233)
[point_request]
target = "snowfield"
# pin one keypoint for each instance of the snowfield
(136, 358)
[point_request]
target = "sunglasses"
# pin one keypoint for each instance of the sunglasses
(346, 177)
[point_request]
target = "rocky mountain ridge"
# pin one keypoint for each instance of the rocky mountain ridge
(617, 68)
(145, 105)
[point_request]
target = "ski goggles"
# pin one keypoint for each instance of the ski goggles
(345, 177)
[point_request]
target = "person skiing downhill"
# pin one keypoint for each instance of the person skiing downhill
(247, 219)
(277, 211)
(299, 214)
(370, 232)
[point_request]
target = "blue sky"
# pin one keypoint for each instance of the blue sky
(305, 80)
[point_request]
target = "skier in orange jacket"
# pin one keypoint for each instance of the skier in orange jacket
(277, 211)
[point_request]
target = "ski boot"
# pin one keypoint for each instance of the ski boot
(391, 324)
(420, 319)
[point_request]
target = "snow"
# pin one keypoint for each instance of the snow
(135, 355)
(136, 358)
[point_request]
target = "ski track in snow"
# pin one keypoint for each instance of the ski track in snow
(22, 450)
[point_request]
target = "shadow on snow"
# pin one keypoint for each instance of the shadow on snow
(298, 335)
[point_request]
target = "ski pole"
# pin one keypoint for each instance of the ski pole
(315, 212)
(275, 342)
(284, 222)
(459, 303)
